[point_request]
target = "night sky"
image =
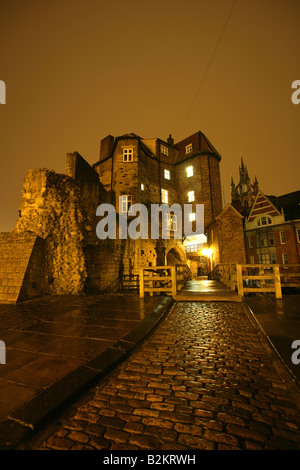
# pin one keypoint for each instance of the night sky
(76, 71)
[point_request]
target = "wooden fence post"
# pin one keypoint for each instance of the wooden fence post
(142, 284)
(239, 280)
(278, 291)
(174, 281)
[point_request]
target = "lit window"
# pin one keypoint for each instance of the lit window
(171, 222)
(191, 196)
(166, 174)
(164, 149)
(164, 196)
(192, 247)
(189, 148)
(285, 258)
(127, 155)
(142, 187)
(126, 202)
(282, 238)
(192, 216)
(189, 171)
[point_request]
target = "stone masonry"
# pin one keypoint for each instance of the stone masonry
(58, 215)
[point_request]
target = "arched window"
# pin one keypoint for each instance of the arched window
(264, 220)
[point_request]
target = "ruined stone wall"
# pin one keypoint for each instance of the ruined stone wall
(21, 267)
(50, 208)
(61, 209)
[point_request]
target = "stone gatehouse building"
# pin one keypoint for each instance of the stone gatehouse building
(54, 248)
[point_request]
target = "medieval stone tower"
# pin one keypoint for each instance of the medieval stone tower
(55, 236)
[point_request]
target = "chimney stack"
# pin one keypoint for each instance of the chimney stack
(106, 147)
(170, 140)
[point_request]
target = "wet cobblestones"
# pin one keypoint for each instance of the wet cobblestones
(203, 380)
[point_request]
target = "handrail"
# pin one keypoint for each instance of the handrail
(271, 277)
(167, 279)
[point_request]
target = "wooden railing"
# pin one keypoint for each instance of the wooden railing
(258, 277)
(268, 279)
(290, 275)
(163, 279)
(130, 282)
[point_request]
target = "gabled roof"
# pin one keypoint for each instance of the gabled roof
(228, 206)
(262, 205)
(201, 145)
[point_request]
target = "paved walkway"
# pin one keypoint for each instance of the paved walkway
(207, 290)
(58, 346)
(204, 379)
(280, 321)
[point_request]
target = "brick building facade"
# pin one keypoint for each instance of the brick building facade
(272, 229)
(271, 224)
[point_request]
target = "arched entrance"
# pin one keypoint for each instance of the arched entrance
(175, 256)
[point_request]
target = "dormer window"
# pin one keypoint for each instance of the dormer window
(127, 155)
(188, 148)
(264, 220)
(164, 150)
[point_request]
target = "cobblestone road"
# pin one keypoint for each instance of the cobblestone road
(203, 380)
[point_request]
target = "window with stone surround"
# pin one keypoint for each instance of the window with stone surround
(282, 238)
(191, 196)
(126, 201)
(128, 155)
(167, 174)
(271, 239)
(171, 222)
(164, 196)
(284, 258)
(189, 171)
(188, 148)
(265, 220)
(164, 149)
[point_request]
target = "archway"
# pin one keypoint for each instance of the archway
(175, 256)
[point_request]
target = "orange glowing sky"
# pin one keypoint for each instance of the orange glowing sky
(77, 70)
